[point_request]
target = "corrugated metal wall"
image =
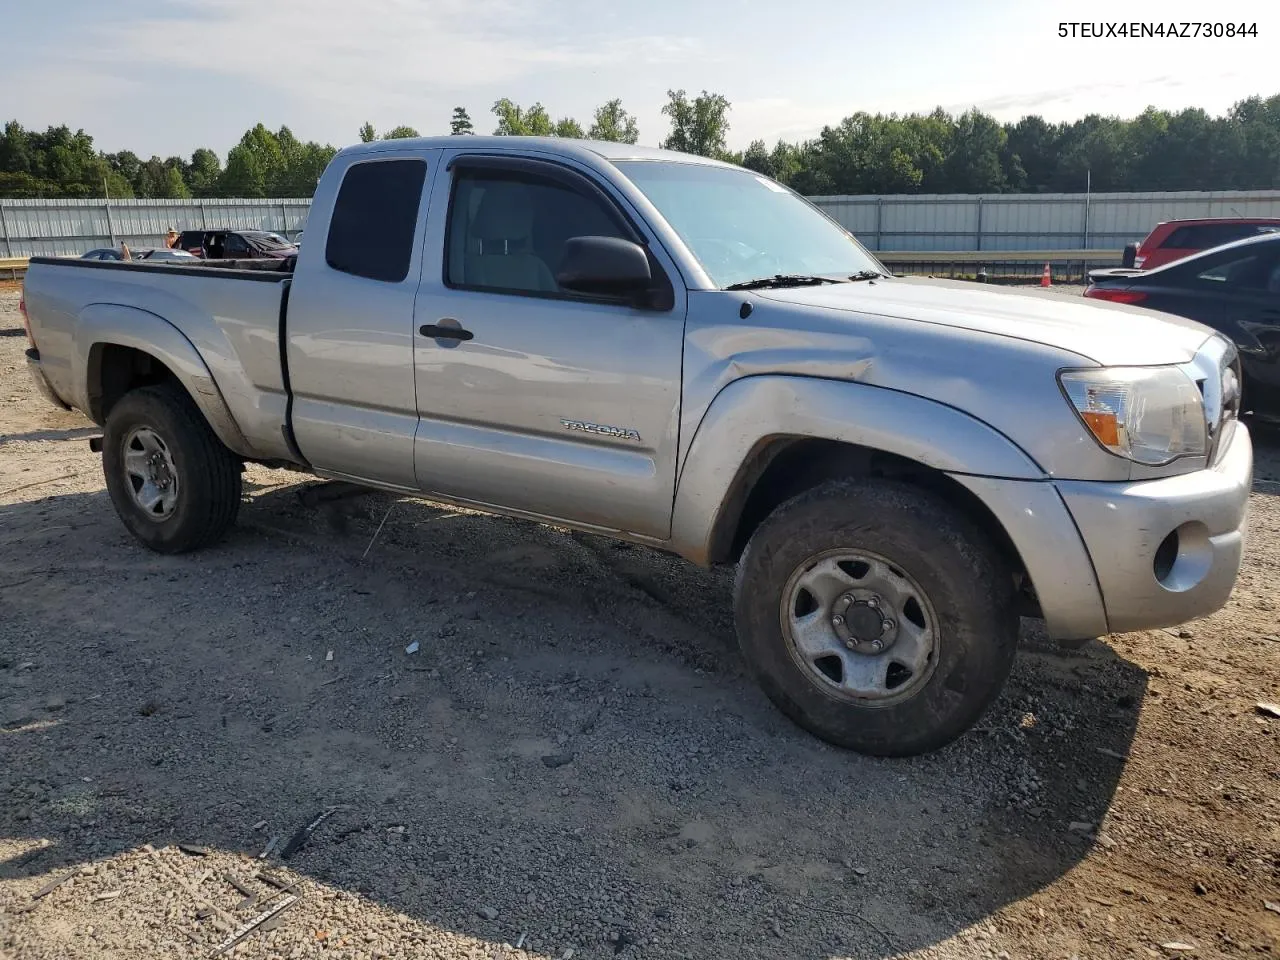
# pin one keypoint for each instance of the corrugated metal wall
(1049, 221)
(31, 228)
(1054, 221)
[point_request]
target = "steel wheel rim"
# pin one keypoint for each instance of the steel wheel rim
(828, 612)
(150, 473)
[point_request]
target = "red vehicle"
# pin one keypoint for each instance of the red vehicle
(1175, 239)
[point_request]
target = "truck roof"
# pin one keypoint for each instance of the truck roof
(583, 149)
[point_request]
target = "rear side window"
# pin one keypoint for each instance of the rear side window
(1259, 269)
(1208, 235)
(374, 219)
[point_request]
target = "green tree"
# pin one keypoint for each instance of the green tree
(1095, 151)
(461, 124)
(697, 126)
(757, 157)
(127, 165)
(400, 133)
(203, 172)
(515, 121)
(568, 128)
(972, 164)
(253, 165)
(614, 123)
(173, 186)
(367, 134)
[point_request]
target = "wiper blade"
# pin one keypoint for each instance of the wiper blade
(781, 280)
(869, 275)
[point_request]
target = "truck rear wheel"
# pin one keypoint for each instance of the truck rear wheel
(173, 483)
(875, 616)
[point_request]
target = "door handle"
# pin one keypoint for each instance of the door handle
(437, 332)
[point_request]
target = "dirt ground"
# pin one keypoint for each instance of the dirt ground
(571, 763)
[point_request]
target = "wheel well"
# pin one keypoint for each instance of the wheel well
(785, 467)
(115, 370)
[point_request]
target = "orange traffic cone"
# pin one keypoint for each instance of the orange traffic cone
(1046, 277)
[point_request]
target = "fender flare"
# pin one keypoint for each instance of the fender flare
(751, 412)
(109, 324)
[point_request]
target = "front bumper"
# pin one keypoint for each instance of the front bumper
(41, 381)
(1166, 551)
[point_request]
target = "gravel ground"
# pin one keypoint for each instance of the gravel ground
(571, 763)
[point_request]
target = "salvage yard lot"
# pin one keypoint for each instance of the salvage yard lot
(572, 758)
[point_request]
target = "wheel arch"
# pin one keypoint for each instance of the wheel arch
(764, 442)
(122, 348)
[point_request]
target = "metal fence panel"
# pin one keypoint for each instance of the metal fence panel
(1052, 221)
(1061, 221)
(31, 228)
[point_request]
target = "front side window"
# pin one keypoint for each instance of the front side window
(507, 230)
(742, 226)
(374, 219)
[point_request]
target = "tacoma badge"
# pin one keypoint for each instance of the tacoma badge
(622, 433)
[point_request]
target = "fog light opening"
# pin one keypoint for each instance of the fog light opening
(1166, 554)
(1183, 558)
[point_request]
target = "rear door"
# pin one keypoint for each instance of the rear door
(350, 321)
(556, 405)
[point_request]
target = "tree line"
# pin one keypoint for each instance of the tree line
(864, 153)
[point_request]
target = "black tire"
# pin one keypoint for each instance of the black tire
(968, 589)
(208, 487)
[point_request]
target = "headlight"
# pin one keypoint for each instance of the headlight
(1150, 415)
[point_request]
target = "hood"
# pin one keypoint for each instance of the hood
(1111, 334)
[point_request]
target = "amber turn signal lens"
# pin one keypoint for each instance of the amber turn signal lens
(1104, 426)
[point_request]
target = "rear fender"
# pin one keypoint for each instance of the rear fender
(101, 324)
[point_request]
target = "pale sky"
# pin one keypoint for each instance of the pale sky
(166, 76)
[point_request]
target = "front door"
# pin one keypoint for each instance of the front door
(531, 398)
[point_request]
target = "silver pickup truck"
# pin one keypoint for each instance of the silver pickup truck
(680, 353)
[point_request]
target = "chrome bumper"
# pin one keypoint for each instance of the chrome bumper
(1166, 551)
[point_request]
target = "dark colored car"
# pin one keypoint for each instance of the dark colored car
(236, 244)
(1175, 239)
(111, 253)
(1234, 289)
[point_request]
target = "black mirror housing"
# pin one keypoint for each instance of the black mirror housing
(605, 266)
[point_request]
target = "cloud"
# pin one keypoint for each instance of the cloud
(774, 118)
(384, 52)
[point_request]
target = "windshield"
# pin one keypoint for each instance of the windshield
(743, 227)
(266, 241)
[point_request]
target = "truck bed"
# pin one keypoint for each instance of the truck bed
(230, 311)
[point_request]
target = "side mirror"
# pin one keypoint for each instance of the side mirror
(605, 266)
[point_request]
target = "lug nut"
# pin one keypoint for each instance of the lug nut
(887, 625)
(851, 645)
(837, 621)
(876, 645)
(873, 602)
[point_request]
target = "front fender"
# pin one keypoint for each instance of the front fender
(749, 412)
(101, 324)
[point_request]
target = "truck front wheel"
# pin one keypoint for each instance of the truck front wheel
(173, 483)
(876, 616)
